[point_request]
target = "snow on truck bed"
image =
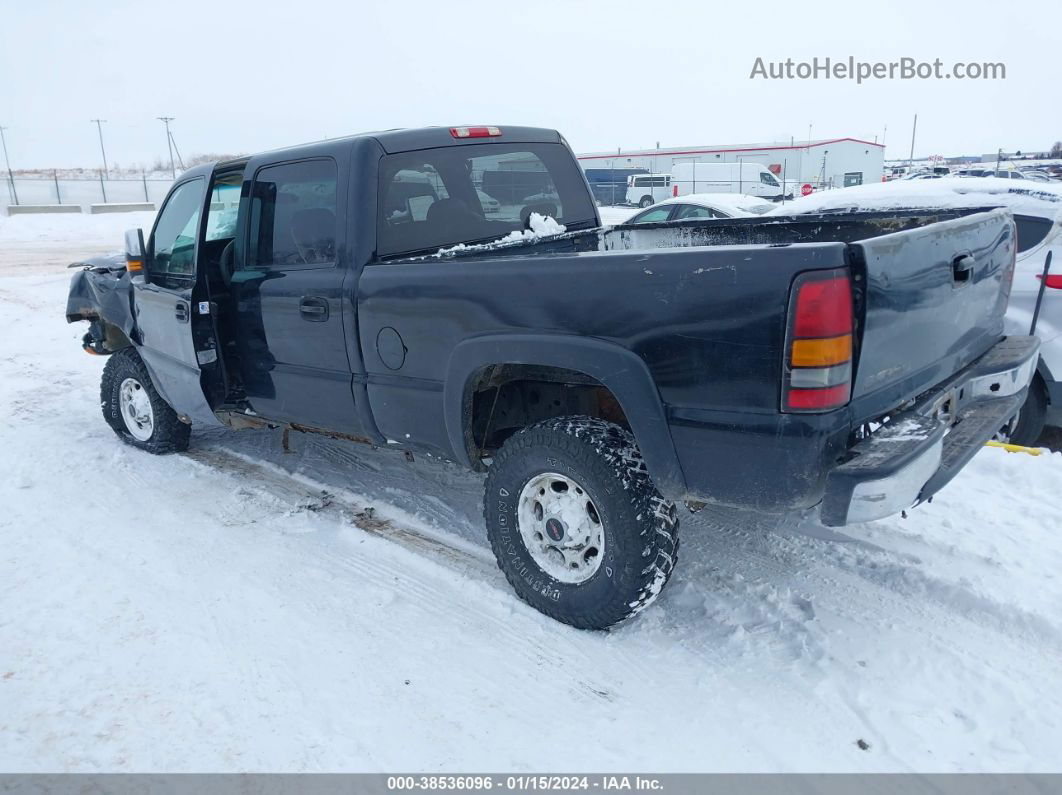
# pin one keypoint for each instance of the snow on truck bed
(336, 608)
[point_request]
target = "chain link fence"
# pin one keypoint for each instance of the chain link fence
(83, 192)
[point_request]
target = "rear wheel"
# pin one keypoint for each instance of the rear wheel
(1026, 428)
(576, 525)
(135, 410)
(646, 201)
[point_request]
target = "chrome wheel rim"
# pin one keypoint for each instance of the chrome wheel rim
(561, 527)
(135, 406)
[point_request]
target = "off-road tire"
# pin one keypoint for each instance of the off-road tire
(1029, 425)
(169, 434)
(640, 526)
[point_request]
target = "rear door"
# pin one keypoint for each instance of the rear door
(288, 288)
(935, 298)
(164, 303)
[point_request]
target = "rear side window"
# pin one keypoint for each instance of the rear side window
(293, 215)
(473, 193)
(693, 211)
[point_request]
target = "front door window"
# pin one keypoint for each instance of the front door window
(172, 261)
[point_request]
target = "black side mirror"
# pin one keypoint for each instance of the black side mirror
(135, 257)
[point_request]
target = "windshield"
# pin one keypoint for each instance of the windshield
(434, 198)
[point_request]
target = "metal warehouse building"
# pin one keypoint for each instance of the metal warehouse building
(835, 162)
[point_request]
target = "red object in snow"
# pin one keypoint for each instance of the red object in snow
(806, 189)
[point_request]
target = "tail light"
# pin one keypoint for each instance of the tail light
(818, 357)
(674, 190)
(475, 132)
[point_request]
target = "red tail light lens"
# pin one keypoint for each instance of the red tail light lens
(823, 308)
(674, 190)
(475, 132)
(818, 358)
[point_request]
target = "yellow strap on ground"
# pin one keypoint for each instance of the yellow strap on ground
(1014, 448)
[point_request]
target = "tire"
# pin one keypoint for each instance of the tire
(159, 431)
(603, 475)
(1028, 426)
(647, 201)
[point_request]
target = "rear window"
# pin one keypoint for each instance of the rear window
(434, 198)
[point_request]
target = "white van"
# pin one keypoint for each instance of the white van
(751, 179)
(646, 189)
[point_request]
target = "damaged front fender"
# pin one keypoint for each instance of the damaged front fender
(102, 293)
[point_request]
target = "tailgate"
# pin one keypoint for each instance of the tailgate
(934, 301)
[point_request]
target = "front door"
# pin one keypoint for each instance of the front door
(288, 287)
(164, 303)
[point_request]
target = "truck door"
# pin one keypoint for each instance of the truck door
(288, 287)
(164, 302)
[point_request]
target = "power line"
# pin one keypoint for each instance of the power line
(99, 128)
(169, 142)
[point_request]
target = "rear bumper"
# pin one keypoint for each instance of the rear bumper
(912, 457)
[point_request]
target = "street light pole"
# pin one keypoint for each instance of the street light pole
(99, 129)
(914, 126)
(169, 143)
(10, 176)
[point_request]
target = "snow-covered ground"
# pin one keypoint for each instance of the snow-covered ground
(335, 608)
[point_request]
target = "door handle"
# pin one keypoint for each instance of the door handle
(961, 267)
(314, 309)
(181, 312)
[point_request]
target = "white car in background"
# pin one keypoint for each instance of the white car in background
(703, 205)
(1037, 209)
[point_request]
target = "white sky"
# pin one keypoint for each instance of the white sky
(248, 76)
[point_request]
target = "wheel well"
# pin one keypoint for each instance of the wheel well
(503, 398)
(105, 337)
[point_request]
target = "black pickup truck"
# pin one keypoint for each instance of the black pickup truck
(451, 291)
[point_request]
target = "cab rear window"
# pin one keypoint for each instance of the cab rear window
(434, 198)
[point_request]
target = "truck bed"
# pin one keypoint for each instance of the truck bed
(906, 268)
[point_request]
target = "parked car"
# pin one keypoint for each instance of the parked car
(646, 189)
(703, 205)
(597, 375)
(752, 179)
(1038, 214)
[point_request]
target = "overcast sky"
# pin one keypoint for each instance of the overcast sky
(248, 76)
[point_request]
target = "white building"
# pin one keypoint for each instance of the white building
(835, 162)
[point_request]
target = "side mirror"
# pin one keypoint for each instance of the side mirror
(135, 260)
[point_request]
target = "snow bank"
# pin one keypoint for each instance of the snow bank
(1026, 197)
(64, 229)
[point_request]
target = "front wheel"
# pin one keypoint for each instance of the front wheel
(576, 525)
(135, 410)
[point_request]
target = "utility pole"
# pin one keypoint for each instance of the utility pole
(10, 176)
(169, 143)
(99, 129)
(914, 126)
